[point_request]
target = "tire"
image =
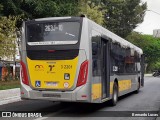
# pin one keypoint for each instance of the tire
(138, 87)
(115, 94)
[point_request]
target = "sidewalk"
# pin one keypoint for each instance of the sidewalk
(147, 75)
(9, 96)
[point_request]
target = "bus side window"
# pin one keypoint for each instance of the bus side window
(117, 59)
(123, 60)
(94, 48)
(130, 61)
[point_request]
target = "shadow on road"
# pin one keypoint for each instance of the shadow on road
(66, 109)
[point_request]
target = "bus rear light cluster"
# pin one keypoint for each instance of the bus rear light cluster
(24, 73)
(83, 73)
(51, 51)
(84, 96)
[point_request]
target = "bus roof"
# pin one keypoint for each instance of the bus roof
(115, 38)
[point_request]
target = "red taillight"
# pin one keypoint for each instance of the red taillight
(24, 73)
(83, 73)
(84, 96)
(51, 51)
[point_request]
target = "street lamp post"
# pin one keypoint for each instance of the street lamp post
(154, 12)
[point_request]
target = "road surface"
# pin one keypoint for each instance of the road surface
(148, 99)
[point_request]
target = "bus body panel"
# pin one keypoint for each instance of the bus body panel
(80, 94)
(52, 74)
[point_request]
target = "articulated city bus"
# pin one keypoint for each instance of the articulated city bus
(76, 60)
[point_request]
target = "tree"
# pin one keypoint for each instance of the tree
(11, 7)
(40, 8)
(1, 7)
(150, 46)
(32, 9)
(122, 16)
(92, 10)
(7, 36)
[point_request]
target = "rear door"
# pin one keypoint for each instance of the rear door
(105, 68)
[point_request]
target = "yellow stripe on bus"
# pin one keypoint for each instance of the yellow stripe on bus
(97, 88)
(96, 91)
(123, 85)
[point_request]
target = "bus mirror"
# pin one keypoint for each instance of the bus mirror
(94, 48)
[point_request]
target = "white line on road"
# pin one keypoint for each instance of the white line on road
(42, 118)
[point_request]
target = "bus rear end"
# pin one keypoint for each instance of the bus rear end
(53, 67)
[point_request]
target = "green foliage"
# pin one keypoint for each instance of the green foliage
(122, 16)
(155, 66)
(137, 39)
(152, 51)
(11, 7)
(40, 8)
(32, 9)
(1, 7)
(7, 36)
(150, 46)
(92, 11)
(9, 84)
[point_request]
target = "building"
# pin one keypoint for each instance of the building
(9, 69)
(10, 65)
(1, 69)
(156, 33)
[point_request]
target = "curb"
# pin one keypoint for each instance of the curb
(147, 75)
(10, 100)
(9, 96)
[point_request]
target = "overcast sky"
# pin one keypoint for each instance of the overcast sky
(151, 19)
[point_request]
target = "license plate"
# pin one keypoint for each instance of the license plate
(54, 84)
(52, 95)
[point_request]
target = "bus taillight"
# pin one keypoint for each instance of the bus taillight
(24, 73)
(83, 73)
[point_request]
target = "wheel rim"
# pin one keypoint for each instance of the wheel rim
(115, 95)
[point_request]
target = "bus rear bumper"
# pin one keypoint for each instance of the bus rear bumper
(80, 94)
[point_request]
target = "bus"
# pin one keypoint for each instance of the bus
(73, 59)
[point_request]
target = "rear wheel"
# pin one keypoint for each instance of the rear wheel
(115, 94)
(138, 87)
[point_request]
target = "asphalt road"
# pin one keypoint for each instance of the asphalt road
(148, 99)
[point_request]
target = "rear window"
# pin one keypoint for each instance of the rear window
(53, 33)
